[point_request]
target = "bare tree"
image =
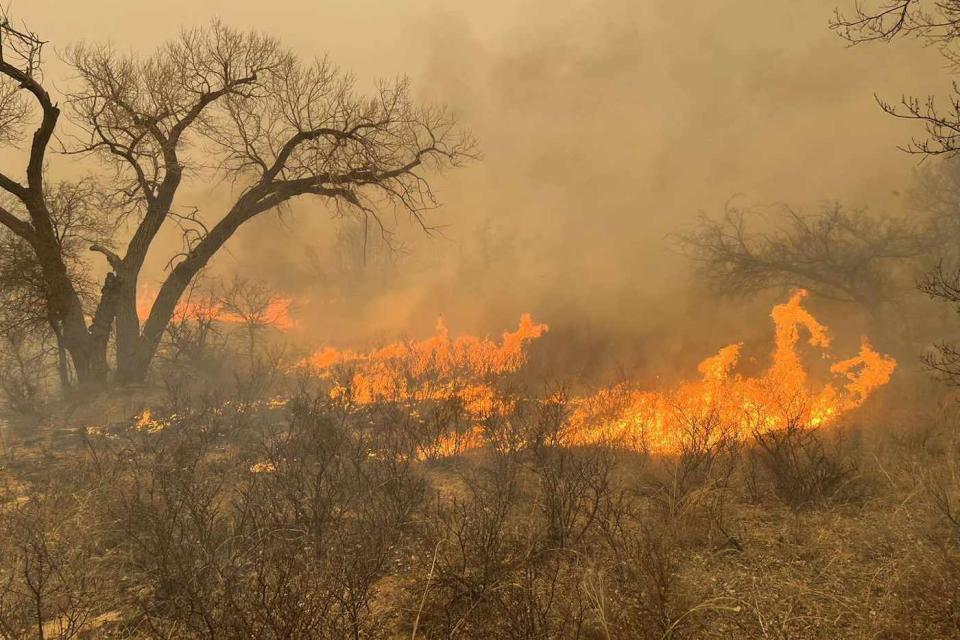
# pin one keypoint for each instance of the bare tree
(838, 254)
(935, 196)
(944, 358)
(935, 22)
(254, 307)
(213, 104)
(193, 331)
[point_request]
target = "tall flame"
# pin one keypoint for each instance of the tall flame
(729, 404)
(722, 403)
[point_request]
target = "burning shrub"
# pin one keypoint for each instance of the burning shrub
(326, 515)
(438, 368)
(458, 379)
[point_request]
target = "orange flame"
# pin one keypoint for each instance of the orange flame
(277, 313)
(729, 405)
(433, 369)
(722, 403)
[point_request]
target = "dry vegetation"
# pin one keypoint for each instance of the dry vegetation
(230, 494)
(322, 519)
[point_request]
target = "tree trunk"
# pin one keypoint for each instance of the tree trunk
(133, 362)
(90, 364)
(137, 362)
(63, 365)
(87, 351)
(135, 365)
(129, 367)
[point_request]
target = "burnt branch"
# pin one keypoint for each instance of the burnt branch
(15, 224)
(874, 21)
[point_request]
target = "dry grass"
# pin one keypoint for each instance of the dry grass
(317, 522)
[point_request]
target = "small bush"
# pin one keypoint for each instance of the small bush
(802, 470)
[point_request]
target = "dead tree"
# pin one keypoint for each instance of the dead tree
(213, 104)
(838, 254)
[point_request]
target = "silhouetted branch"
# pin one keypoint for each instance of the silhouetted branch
(838, 254)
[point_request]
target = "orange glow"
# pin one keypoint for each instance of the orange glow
(721, 403)
(146, 422)
(436, 368)
(726, 404)
(276, 314)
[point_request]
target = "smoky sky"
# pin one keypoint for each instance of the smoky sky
(604, 126)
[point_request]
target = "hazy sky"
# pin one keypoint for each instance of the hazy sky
(604, 126)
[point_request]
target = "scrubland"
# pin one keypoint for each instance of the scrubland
(231, 515)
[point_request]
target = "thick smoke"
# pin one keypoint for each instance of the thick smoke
(605, 126)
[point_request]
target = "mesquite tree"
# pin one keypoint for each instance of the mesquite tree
(213, 104)
(836, 253)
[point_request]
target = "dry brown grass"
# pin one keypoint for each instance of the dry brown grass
(317, 522)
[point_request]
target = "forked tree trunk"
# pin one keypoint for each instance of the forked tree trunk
(133, 363)
(90, 363)
(130, 369)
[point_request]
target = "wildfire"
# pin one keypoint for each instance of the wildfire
(721, 403)
(726, 404)
(437, 368)
(146, 422)
(275, 314)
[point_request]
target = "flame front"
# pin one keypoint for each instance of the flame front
(437, 368)
(722, 403)
(726, 404)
